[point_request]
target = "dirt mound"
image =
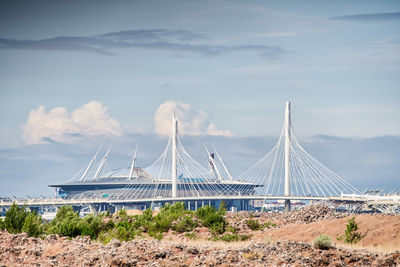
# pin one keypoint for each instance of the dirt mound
(312, 213)
(382, 233)
(21, 250)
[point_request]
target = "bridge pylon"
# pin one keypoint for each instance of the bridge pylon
(287, 155)
(289, 171)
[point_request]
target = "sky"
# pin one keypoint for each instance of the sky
(75, 76)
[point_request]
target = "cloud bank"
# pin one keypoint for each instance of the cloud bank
(191, 122)
(153, 39)
(371, 17)
(90, 120)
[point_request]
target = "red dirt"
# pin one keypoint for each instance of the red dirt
(382, 232)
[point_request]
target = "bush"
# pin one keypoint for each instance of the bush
(33, 225)
(269, 224)
(163, 221)
(192, 235)
(322, 242)
(15, 218)
(351, 236)
(123, 214)
(2, 226)
(91, 225)
(66, 222)
(254, 225)
(233, 230)
(186, 224)
(125, 231)
(212, 219)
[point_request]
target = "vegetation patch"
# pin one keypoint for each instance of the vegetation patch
(231, 237)
(322, 242)
(251, 256)
(192, 235)
(255, 225)
(104, 227)
(351, 236)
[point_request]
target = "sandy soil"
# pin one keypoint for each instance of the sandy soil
(382, 232)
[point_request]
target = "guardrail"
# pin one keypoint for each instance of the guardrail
(369, 199)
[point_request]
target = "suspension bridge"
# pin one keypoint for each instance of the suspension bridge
(286, 173)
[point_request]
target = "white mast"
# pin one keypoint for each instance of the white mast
(223, 164)
(287, 149)
(213, 166)
(90, 165)
(287, 155)
(133, 162)
(173, 166)
(103, 161)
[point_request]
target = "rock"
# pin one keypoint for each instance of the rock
(114, 243)
(192, 250)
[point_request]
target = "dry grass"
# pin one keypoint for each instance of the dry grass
(382, 248)
(251, 256)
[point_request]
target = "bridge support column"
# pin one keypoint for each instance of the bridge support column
(287, 205)
(93, 209)
(118, 208)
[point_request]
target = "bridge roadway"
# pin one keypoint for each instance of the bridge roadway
(367, 199)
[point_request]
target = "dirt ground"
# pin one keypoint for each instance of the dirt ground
(287, 244)
(382, 232)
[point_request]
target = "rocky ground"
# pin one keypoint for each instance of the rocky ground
(288, 244)
(21, 250)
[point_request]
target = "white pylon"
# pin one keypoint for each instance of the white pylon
(173, 161)
(287, 149)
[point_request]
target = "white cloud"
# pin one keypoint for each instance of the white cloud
(275, 34)
(191, 122)
(92, 119)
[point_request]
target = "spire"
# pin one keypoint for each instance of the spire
(133, 162)
(90, 165)
(103, 161)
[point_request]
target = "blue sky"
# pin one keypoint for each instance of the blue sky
(228, 65)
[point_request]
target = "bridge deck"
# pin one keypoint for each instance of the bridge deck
(395, 200)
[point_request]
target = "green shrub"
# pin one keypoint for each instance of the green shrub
(108, 214)
(192, 235)
(232, 229)
(106, 236)
(212, 218)
(351, 236)
(254, 225)
(109, 225)
(123, 214)
(163, 221)
(125, 231)
(2, 225)
(15, 218)
(66, 222)
(186, 224)
(269, 224)
(33, 225)
(91, 225)
(322, 242)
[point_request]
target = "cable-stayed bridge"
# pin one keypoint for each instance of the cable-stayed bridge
(286, 173)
